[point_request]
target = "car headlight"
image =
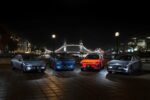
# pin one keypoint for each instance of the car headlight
(58, 67)
(71, 66)
(128, 65)
(109, 66)
(42, 67)
(58, 63)
(28, 68)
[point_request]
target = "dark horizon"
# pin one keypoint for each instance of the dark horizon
(75, 21)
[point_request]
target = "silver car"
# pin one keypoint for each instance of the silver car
(28, 63)
(125, 63)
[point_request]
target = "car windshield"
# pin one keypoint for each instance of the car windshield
(92, 56)
(123, 57)
(64, 56)
(30, 58)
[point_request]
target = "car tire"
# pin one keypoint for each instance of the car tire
(23, 69)
(130, 71)
(55, 69)
(48, 65)
(140, 68)
(82, 69)
(102, 66)
(98, 69)
(13, 68)
(110, 72)
(71, 69)
(42, 71)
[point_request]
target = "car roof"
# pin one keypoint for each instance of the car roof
(93, 54)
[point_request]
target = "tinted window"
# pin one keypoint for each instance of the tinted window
(18, 57)
(92, 56)
(30, 57)
(64, 56)
(124, 57)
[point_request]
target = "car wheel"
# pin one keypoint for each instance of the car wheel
(23, 69)
(55, 69)
(42, 71)
(82, 69)
(110, 72)
(71, 69)
(102, 66)
(98, 69)
(48, 65)
(13, 68)
(130, 71)
(11, 64)
(140, 67)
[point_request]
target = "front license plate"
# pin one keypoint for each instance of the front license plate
(119, 68)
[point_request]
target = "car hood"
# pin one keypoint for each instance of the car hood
(118, 62)
(66, 61)
(35, 63)
(90, 61)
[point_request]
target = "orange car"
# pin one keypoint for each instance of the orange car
(92, 61)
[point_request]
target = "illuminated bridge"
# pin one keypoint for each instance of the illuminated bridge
(73, 48)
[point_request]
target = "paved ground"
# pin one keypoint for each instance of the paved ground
(73, 85)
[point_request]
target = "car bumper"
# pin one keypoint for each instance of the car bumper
(35, 68)
(90, 67)
(122, 70)
(65, 67)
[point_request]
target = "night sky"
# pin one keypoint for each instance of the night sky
(74, 20)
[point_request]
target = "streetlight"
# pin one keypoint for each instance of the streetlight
(117, 41)
(117, 34)
(53, 37)
(134, 44)
(147, 43)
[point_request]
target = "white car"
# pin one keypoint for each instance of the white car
(28, 63)
(125, 64)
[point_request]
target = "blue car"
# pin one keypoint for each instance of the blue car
(62, 62)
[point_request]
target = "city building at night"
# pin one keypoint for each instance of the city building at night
(139, 44)
(24, 46)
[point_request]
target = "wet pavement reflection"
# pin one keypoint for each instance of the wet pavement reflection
(72, 85)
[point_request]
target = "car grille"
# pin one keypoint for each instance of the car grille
(117, 66)
(36, 67)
